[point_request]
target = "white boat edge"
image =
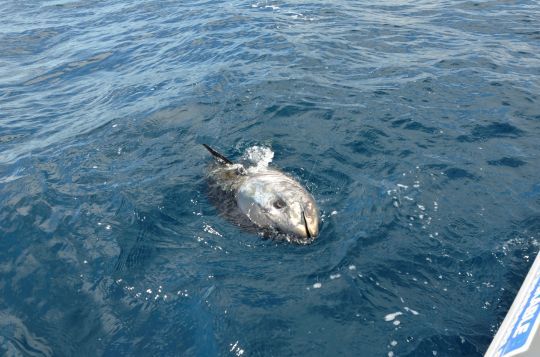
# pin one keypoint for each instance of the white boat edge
(519, 333)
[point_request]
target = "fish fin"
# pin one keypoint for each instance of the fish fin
(222, 159)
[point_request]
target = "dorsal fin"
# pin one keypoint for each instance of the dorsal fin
(218, 156)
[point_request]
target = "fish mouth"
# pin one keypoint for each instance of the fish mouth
(308, 233)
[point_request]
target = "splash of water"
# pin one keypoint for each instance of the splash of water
(259, 156)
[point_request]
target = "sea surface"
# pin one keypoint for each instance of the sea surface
(415, 125)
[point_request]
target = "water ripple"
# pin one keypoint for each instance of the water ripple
(413, 123)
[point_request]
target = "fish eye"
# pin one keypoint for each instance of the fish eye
(279, 203)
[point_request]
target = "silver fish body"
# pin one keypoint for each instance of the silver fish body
(266, 198)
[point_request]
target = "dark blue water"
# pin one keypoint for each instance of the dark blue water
(415, 124)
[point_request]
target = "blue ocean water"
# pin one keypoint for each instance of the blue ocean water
(415, 124)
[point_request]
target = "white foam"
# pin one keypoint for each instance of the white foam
(392, 316)
(414, 312)
(236, 349)
(259, 155)
(208, 228)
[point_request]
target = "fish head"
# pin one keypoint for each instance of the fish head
(273, 200)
